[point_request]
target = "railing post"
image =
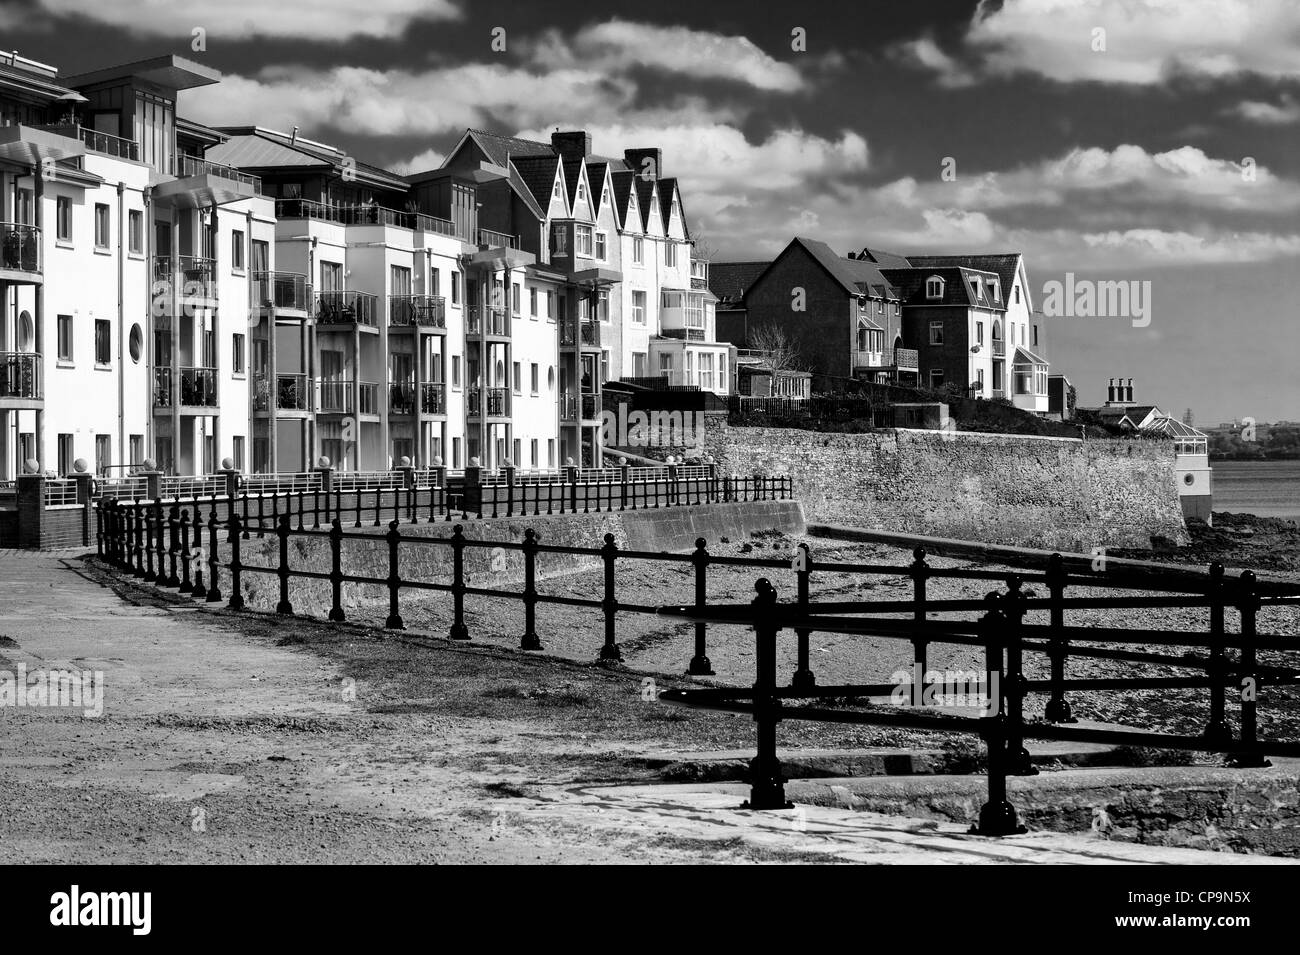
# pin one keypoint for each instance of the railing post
(472, 495)
(174, 545)
(1058, 707)
(236, 601)
(530, 639)
(700, 664)
(766, 780)
(1217, 730)
(336, 571)
(161, 547)
(803, 678)
(997, 816)
(137, 538)
(394, 621)
(609, 553)
(623, 471)
(149, 541)
(571, 478)
(1248, 605)
(186, 585)
(282, 571)
(99, 529)
(920, 574)
(510, 491)
(214, 590)
(458, 629)
(672, 484)
(1019, 762)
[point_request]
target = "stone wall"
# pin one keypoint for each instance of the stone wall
(657, 530)
(1054, 493)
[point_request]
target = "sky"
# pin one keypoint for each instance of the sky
(1118, 140)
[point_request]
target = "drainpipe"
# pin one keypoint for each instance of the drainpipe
(150, 369)
(121, 322)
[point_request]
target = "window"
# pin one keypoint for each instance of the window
(665, 363)
(638, 364)
(975, 291)
(237, 452)
(435, 282)
(103, 233)
(65, 337)
(1017, 294)
(936, 333)
(534, 379)
(979, 333)
(63, 219)
(519, 452)
(237, 354)
(237, 250)
(670, 254)
(532, 302)
(136, 445)
(550, 305)
(936, 378)
(555, 189)
(995, 291)
(582, 240)
(135, 231)
(602, 305)
(516, 299)
(690, 368)
(455, 371)
(532, 452)
(638, 250)
(399, 280)
(103, 454)
(550, 452)
(103, 342)
(600, 246)
(604, 366)
(261, 260)
(979, 380)
(638, 308)
(934, 287)
(455, 288)
(582, 190)
(706, 370)
(66, 454)
(1035, 345)
(518, 378)
(455, 452)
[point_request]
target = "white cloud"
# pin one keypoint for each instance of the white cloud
(925, 53)
(615, 45)
(421, 162)
(1283, 113)
(321, 20)
(1146, 41)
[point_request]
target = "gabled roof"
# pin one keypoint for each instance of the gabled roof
(855, 275)
(596, 174)
(573, 170)
(501, 149)
(956, 287)
(1004, 264)
(255, 147)
(525, 192)
(1024, 356)
(886, 260)
(1164, 424)
(730, 280)
(538, 174)
(668, 189)
(645, 198)
(622, 182)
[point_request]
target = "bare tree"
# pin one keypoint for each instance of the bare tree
(781, 352)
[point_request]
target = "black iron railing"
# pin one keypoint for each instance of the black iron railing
(281, 290)
(20, 247)
(493, 402)
(20, 375)
(433, 398)
(428, 311)
(401, 397)
(347, 308)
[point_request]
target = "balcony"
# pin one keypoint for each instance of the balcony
(588, 333)
(486, 238)
(591, 407)
(98, 142)
(363, 214)
(20, 376)
(347, 308)
(184, 167)
(423, 311)
(401, 398)
(568, 406)
(20, 248)
(433, 398)
(292, 393)
(195, 276)
(368, 393)
(999, 348)
(492, 318)
(496, 401)
(906, 359)
(868, 359)
(336, 396)
(281, 290)
(199, 387)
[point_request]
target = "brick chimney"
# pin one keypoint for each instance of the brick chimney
(1129, 391)
(1110, 392)
(636, 162)
(575, 144)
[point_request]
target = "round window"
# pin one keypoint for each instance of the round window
(136, 343)
(550, 378)
(1189, 479)
(26, 332)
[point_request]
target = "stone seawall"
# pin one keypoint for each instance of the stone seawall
(657, 530)
(1054, 493)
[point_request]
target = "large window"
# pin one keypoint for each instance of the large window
(706, 369)
(155, 130)
(694, 310)
(582, 240)
(66, 454)
(600, 246)
(670, 254)
(936, 333)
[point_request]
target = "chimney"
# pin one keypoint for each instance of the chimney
(1110, 392)
(575, 144)
(1130, 391)
(636, 162)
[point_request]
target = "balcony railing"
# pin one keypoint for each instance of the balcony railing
(195, 275)
(199, 387)
(494, 399)
(336, 396)
(493, 317)
(363, 214)
(281, 290)
(347, 308)
(292, 393)
(572, 332)
(497, 240)
(368, 391)
(185, 166)
(428, 311)
(401, 397)
(433, 398)
(591, 407)
(999, 348)
(162, 388)
(20, 247)
(20, 375)
(96, 141)
(868, 359)
(568, 406)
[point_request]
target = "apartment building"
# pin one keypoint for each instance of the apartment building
(124, 321)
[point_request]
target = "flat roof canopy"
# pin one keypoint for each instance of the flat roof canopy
(170, 71)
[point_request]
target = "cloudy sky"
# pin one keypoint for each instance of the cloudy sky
(1147, 140)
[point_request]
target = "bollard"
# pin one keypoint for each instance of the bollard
(700, 664)
(530, 640)
(803, 678)
(394, 621)
(997, 816)
(609, 651)
(458, 629)
(236, 601)
(282, 571)
(336, 571)
(766, 782)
